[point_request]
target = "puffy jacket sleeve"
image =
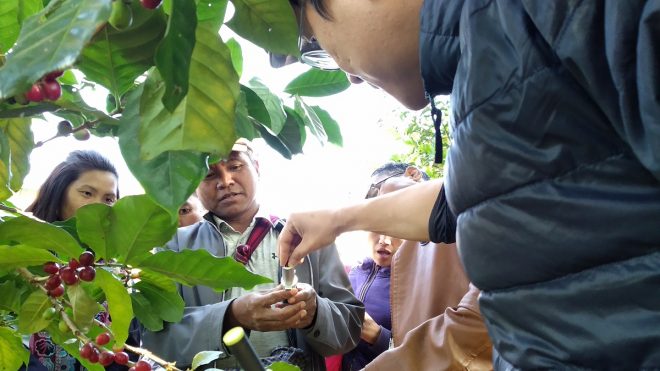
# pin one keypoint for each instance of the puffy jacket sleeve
(454, 340)
(339, 314)
(612, 49)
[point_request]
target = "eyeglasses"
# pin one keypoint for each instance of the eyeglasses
(375, 187)
(311, 52)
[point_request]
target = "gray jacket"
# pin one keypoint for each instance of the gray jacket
(336, 329)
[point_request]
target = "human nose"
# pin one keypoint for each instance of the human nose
(224, 180)
(384, 240)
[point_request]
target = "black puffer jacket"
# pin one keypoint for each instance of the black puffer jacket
(554, 173)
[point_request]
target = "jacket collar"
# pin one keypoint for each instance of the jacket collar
(439, 46)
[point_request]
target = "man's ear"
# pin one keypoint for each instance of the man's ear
(413, 173)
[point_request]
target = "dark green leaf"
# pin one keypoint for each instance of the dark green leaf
(199, 267)
(175, 50)
(159, 280)
(21, 143)
(330, 126)
(270, 24)
(119, 304)
(12, 352)
(27, 111)
(212, 11)
(236, 56)
(10, 296)
(145, 313)
(311, 120)
(27, 8)
(273, 141)
(203, 358)
(5, 168)
(57, 40)
(318, 83)
(93, 225)
(293, 133)
(71, 101)
(244, 127)
(29, 318)
(135, 225)
(255, 106)
(167, 305)
(9, 26)
(84, 307)
(20, 256)
(272, 102)
(170, 177)
(115, 58)
(37, 234)
(204, 122)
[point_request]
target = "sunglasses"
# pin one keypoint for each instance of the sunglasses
(374, 188)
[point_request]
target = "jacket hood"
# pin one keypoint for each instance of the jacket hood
(439, 45)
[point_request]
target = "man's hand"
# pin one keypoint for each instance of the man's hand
(304, 294)
(259, 311)
(306, 232)
(370, 329)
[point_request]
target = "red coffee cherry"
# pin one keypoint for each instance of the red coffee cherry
(69, 275)
(142, 366)
(86, 350)
(52, 282)
(103, 338)
(106, 358)
(94, 356)
(87, 274)
(35, 94)
(150, 4)
(51, 267)
(121, 358)
(51, 89)
(53, 75)
(86, 259)
(74, 264)
(56, 292)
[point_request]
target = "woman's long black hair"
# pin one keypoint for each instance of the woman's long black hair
(50, 198)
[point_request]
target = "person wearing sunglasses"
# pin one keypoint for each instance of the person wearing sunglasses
(317, 317)
(554, 169)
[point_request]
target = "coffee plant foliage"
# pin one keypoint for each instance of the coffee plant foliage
(175, 103)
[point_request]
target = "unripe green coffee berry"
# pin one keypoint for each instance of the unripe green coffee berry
(62, 326)
(49, 313)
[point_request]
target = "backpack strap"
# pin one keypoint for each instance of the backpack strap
(259, 232)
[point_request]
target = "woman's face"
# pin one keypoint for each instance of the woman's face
(383, 248)
(93, 186)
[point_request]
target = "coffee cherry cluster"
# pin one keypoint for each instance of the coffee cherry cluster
(46, 88)
(82, 269)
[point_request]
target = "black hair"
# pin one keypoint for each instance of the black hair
(319, 6)
(392, 168)
(51, 194)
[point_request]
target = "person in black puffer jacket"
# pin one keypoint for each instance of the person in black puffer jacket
(554, 171)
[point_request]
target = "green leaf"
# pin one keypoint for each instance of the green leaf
(273, 105)
(5, 168)
(282, 366)
(12, 352)
(270, 24)
(311, 120)
(145, 313)
(330, 126)
(93, 225)
(9, 26)
(114, 59)
(203, 358)
(175, 50)
(84, 307)
(199, 267)
(73, 348)
(236, 56)
(273, 141)
(171, 176)
(10, 296)
(57, 40)
(255, 106)
(318, 83)
(211, 11)
(158, 280)
(72, 102)
(167, 305)
(119, 304)
(204, 122)
(29, 318)
(21, 143)
(27, 8)
(135, 225)
(20, 256)
(244, 127)
(293, 133)
(38, 234)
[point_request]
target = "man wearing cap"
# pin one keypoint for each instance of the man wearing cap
(322, 316)
(554, 169)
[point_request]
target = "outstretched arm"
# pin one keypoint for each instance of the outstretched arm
(402, 214)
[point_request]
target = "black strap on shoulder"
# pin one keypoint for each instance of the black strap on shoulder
(436, 115)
